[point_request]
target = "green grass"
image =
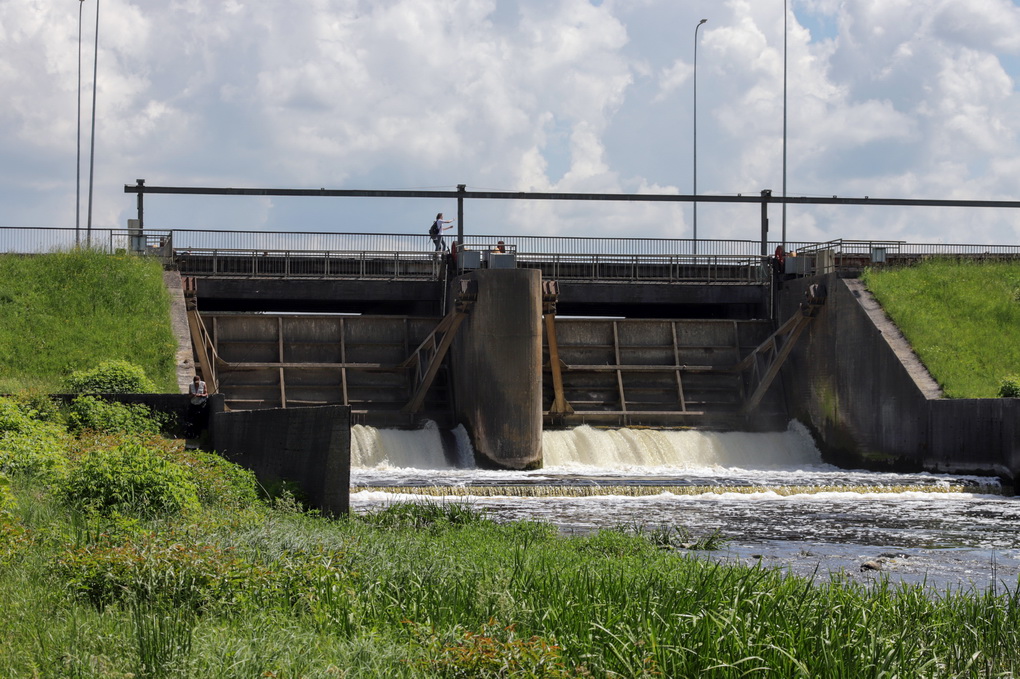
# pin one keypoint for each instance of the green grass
(961, 318)
(229, 586)
(436, 594)
(72, 310)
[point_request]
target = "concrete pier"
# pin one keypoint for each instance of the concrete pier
(497, 368)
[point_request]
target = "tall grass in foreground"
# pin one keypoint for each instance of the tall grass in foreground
(440, 591)
(72, 310)
(127, 555)
(961, 318)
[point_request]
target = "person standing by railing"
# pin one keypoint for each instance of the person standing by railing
(197, 407)
(436, 231)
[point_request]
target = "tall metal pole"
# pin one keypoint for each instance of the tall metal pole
(77, 162)
(785, 13)
(695, 202)
(92, 152)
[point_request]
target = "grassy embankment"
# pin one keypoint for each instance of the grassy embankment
(72, 310)
(125, 555)
(962, 319)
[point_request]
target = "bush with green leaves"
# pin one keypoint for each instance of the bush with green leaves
(110, 377)
(28, 446)
(220, 483)
(1010, 387)
(13, 417)
(90, 412)
(131, 478)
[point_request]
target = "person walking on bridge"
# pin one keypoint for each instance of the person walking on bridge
(436, 231)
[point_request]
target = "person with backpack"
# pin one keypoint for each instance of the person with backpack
(436, 231)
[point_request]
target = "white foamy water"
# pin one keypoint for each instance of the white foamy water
(397, 448)
(623, 449)
(727, 482)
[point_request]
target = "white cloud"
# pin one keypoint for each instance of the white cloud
(889, 97)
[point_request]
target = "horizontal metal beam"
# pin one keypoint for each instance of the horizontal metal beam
(539, 195)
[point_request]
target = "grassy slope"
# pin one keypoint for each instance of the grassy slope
(962, 319)
(71, 310)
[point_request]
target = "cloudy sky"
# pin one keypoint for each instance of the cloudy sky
(886, 98)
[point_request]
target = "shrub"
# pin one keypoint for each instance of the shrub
(39, 453)
(130, 478)
(29, 447)
(110, 377)
(13, 417)
(1010, 387)
(220, 483)
(89, 412)
(39, 405)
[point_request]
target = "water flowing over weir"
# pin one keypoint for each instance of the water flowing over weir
(689, 449)
(594, 448)
(770, 496)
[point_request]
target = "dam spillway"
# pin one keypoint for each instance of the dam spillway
(636, 363)
(498, 362)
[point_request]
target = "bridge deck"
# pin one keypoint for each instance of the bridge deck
(679, 269)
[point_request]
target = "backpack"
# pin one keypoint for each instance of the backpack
(434, 229)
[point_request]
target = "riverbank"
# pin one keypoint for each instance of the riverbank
(126, 555)
(439, 591)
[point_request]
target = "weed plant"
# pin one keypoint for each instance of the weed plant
(229, 586)
(73, 310)
(961, 318)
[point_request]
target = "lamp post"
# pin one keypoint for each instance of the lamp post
(695, 202)
(92, 152)
(785, 12)
(77, 162)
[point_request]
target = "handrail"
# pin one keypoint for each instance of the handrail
(33, 240)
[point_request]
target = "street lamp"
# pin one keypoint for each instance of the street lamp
(77, 164)
(785, 12)
(696, 134)
(92, 153)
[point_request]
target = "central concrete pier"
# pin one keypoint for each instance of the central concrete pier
(496, 361)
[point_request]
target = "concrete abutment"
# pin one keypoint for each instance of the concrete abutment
(856, 383)
(496, 360)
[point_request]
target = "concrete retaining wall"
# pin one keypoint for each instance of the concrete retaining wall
(855, 382)
(310, 447)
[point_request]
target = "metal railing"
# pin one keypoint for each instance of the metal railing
(664, 268)
(307, 263)
(392, 255)
(42, 239)
(897, 247)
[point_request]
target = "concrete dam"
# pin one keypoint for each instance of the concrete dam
(487, 347)
(511, 348)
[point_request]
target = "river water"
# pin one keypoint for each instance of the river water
(769, 495)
